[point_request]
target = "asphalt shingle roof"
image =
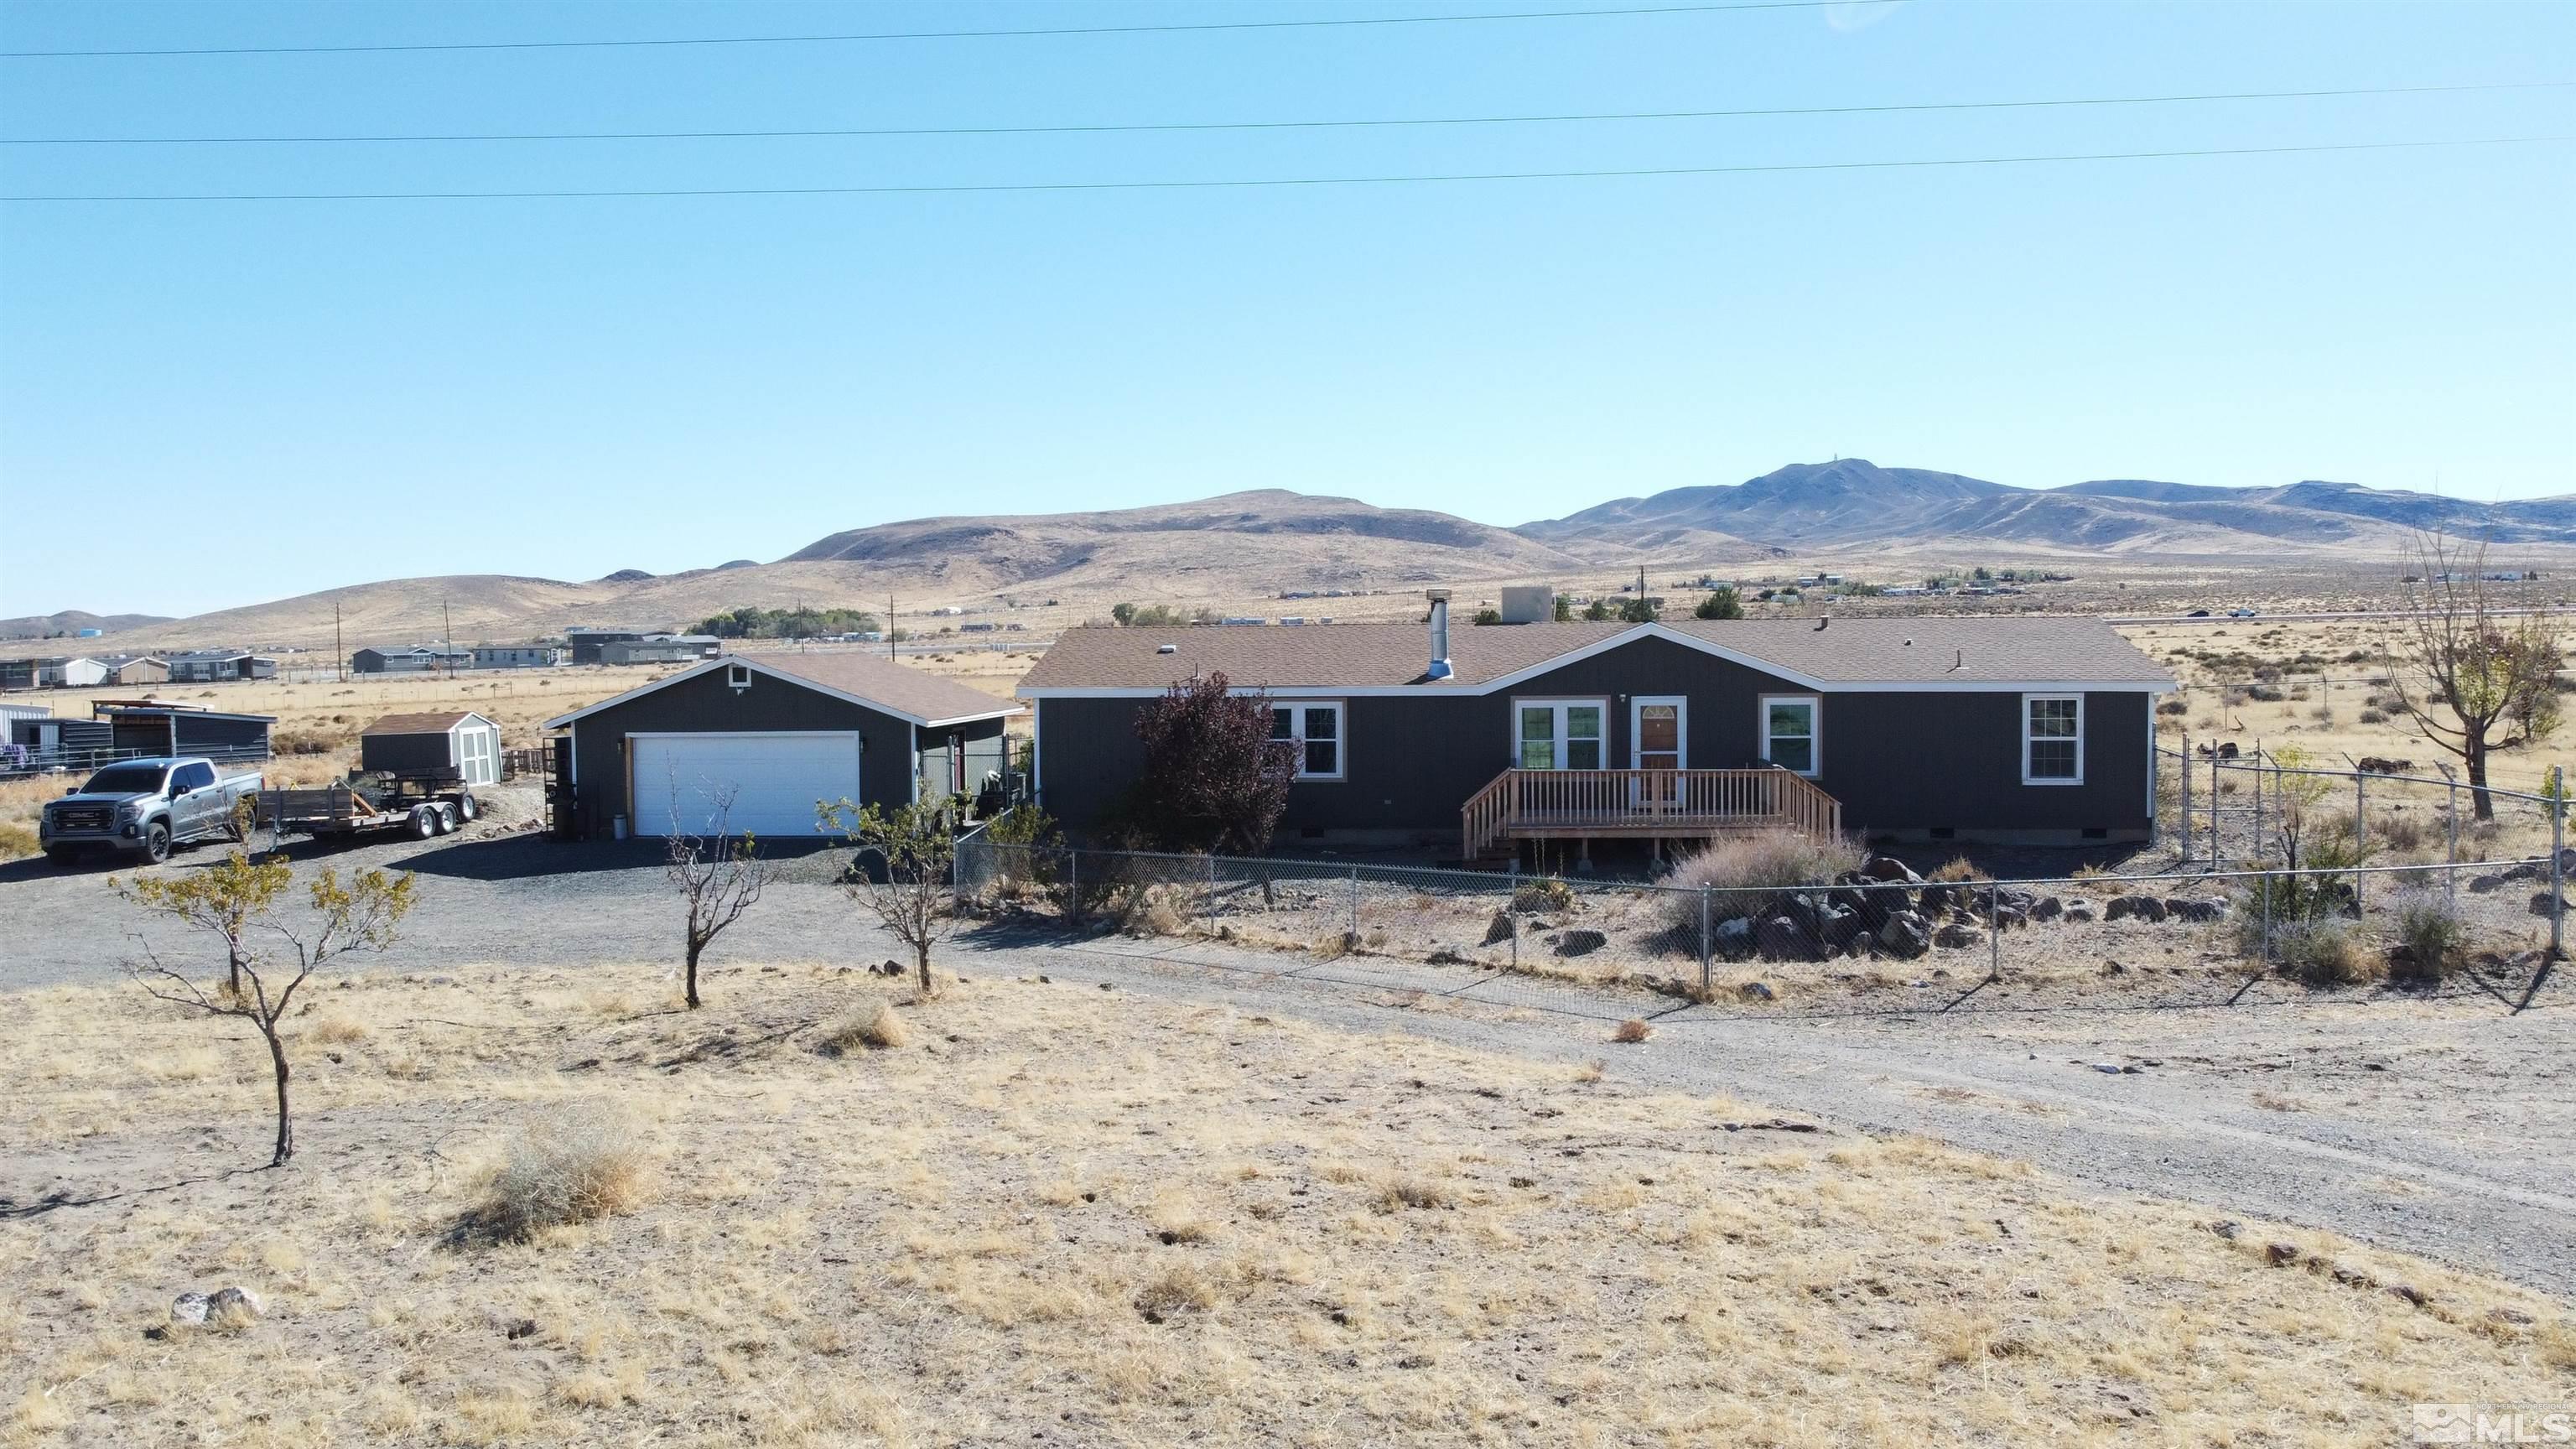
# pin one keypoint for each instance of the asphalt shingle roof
(1851, 652)
(434, 722)
(898, 687)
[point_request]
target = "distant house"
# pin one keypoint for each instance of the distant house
(518, 656)
(2022, 729)
(764, 737)
(209, 666)
(73, 672)
(134, 669)
(586, 642)
(418, 659)
(660, 649)
(17, 673)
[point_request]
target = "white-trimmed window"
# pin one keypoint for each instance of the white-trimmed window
(1316, 729)
(1560, 734)
(2052, 739)
(1790, 735)
(738, 676)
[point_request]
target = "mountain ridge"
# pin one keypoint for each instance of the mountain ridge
(1277, 541)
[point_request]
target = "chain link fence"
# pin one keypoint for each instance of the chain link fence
(1634, 948)
(2228, 809)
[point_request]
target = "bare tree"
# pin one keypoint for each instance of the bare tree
(224, 899)
(2482, 679)
(718, 876)
(915, 848)
(263, 949)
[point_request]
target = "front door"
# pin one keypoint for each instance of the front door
(1656, 742)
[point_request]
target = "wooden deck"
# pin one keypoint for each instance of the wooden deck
(1640, 804)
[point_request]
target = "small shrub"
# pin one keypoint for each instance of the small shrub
(877, 1030)
(1753, 872)
(1178, 1288)
(1546, 893)
(1957, 869)
(2373, 717)
(563, 1167)
(16, 839)
(2323, 953)
(1631, 1032)
(2429, 938)
(2399, 832)
(1400, 1192)
(333, 1029)
(2175, 706)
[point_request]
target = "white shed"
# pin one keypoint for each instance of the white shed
(406, 744)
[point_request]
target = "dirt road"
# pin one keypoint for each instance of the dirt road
(2444, 1127)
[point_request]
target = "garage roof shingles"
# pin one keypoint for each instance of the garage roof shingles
(897, 687)
(1915, 651)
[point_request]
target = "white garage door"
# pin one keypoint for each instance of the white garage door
(772, 779)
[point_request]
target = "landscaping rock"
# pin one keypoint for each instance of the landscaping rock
(1580, 942)
(2540, 904)
(1783, 939)
(2143, 908)
(1889, 868)
(1958, 937)
(2190, 908)
(232, 1302)
(1449, 956)
(2481, 884)
(2079, 910)
(2007, 917)
(1757, 991)
(188, 1308)
(1938, 898)
(1500, 929)
(1732, 938)
(2281, 1255)
(2047, 908)
(1906, 934)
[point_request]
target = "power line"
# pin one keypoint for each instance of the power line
(1165, 126)
(885, 35)
(1289, 181)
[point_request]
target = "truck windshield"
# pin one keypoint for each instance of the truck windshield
(125, 780)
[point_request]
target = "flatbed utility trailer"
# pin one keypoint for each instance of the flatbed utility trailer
(372, 803)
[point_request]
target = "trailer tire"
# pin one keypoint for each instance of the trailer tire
(466, 807)
(446, 818)
(424, 822)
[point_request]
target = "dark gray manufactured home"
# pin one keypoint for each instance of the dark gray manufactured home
(2028, 730)
(775, 733)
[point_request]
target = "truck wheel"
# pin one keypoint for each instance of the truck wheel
(446, 818)
(424, 822)
(466, 809)
(156, 842)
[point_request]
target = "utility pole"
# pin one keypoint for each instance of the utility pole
(447, 646)
(889, 624)
(339, 654)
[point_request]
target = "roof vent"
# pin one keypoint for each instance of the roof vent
(1439, 634)
(1166, 649)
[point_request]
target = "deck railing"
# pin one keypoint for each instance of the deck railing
(1521, 804)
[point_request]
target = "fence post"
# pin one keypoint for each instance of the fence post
(2557, 856)
(1073, 888)
(2186, 797)
(2214, 856)
(1704, 943)
(1207, 902)
(1994, 931)
(1355, 907)
(2360, 839)
(2257, 846)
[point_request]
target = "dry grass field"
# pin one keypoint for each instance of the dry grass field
(1049, 1214)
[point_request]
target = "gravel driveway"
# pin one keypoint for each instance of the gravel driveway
(2443, 1127)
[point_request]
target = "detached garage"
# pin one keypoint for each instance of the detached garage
(770, 735)
(421, 744)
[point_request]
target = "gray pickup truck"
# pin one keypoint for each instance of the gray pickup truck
(145, 807)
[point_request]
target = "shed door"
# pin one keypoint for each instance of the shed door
(478, 755)
(774, 780)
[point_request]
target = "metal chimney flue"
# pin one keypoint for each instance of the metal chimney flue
(1439, 634)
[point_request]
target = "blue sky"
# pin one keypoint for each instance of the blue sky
(355, 390)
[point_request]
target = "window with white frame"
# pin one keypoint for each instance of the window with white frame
(1559, 734)
(1316, 730)
(1789, 737)
(2052, 739)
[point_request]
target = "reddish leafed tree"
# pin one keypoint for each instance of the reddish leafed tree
(1214, 779)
